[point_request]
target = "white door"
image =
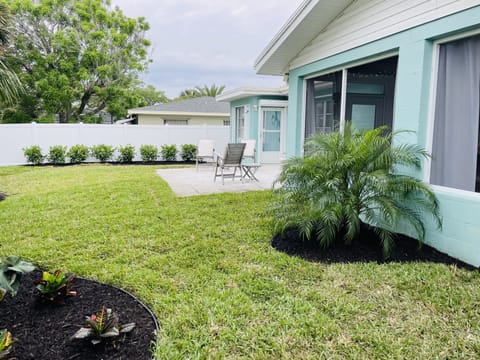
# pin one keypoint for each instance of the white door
(271, 134)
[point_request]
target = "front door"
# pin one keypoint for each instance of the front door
(271, 139)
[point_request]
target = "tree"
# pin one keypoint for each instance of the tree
(198, 91)
(77, 57)
(351, 179)
(10, 86)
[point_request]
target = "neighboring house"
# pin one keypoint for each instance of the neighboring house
(411, 65)
(196, 111)
(259, 114)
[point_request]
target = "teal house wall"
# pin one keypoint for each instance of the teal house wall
(415, 48)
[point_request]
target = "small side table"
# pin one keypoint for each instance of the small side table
(249, 171)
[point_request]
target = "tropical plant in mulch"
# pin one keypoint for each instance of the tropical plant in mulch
(104, 325)
(6, 342)
(11, 269)
(56, 287)
(350, 180)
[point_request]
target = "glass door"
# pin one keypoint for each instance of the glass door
(271, 135)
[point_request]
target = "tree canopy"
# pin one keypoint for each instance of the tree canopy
(77, 57)
(10, 86)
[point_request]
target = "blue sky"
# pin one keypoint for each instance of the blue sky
(198, 42)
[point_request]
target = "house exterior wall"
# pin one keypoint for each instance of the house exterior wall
(368, 20)
(415, 49)
(192, 120)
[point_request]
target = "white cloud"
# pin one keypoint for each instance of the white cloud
(208, 38)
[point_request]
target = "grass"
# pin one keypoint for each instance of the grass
(205, 267)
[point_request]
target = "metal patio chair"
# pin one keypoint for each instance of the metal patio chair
(231, 159)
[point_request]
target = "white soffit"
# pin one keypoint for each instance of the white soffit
(244, 92)
(303, 26)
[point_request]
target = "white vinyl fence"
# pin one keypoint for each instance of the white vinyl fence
(15, 137)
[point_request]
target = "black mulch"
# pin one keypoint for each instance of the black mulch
(366, 248)
(43, 330)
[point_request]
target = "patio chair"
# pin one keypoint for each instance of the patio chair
(231, 159)
(250, 151)
(205, 151)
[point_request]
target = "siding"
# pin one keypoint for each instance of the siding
(198, 120)
(368, 20)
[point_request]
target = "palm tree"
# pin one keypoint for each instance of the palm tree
(350, 179)
(212, 91)
(10, 86)
(198, 91)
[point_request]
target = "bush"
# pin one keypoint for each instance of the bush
(188, 152)
(56, 154)
(34, 154)
(346, 181)
(127, 153)
(102, 152)
(78, 153)
(169, 152)
(148, 153)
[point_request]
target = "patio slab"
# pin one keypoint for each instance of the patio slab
(190, 182)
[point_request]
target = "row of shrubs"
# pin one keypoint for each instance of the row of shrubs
(79, 153)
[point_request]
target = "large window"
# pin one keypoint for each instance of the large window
(455, 149)
(239, 123)
(369, 97)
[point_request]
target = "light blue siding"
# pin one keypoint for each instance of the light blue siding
(415, 48)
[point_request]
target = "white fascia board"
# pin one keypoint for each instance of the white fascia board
(312, 17)
(176, 113)
(244, 92)
(285, 31)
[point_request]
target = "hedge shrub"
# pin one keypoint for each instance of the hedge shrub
(169, 152)
(78, 153)
(188, 152)
(102, 152)
(148, 153)
(34, 154)
(56, 154)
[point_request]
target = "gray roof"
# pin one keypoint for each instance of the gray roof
(204, 104)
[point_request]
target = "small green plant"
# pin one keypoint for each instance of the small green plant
(78, 153)
(102, 152)
(34, 154)
(169, 152)
(148, 153)
(101, 326)
(6, 342)
(56, 287)
(11, 268)
(56, 154)
(127, 153)
(188, 152)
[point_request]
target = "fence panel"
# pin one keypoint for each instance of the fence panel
(15, 137)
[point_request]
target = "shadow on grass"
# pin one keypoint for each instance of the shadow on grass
(366, 248)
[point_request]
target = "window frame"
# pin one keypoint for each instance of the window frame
(431, 114)
(343, 98)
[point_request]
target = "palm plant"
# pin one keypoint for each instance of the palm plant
(351, 179)
(198, 91)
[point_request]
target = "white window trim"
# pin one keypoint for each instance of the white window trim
(431, 114)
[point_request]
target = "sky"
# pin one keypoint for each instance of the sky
(204, 42)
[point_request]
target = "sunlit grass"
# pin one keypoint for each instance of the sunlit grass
(205, 267)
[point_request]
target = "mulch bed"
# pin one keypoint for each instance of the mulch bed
(366, 248)
(43, 329)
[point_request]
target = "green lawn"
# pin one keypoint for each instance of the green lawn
(205, 267)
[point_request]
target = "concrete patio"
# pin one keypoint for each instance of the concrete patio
(190, 182)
